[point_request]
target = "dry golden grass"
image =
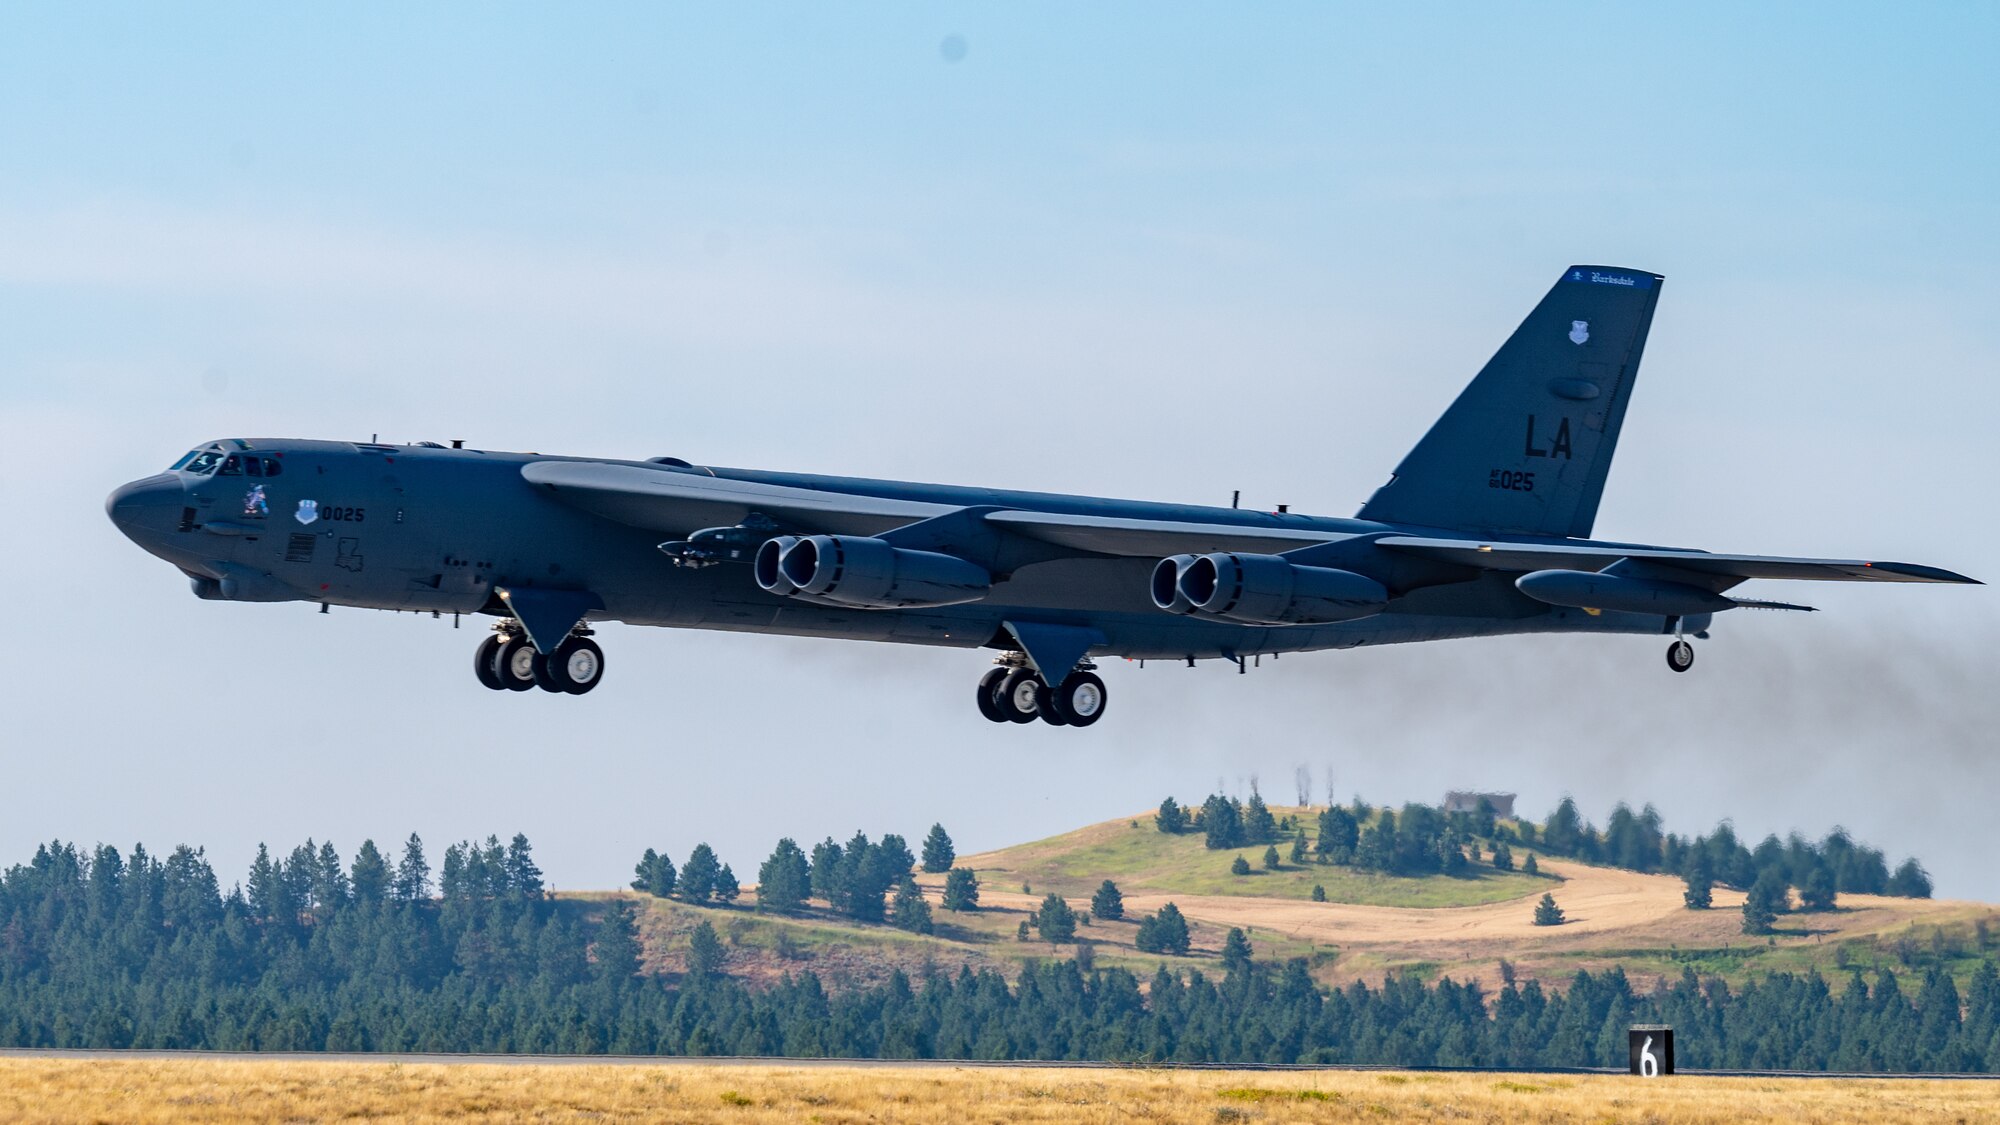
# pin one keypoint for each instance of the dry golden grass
(157, 1092)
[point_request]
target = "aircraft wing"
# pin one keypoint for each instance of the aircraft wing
(1110, 535)
(1565, 556)
(680, 503)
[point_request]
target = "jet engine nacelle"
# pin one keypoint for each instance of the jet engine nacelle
(1264, 590)
(1583, 589)
(866, 573)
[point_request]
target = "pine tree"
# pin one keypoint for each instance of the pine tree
(369, 876)
(1259, 826)
(1239, 866)
(1339, 835)
(1910, 881)
(961, 890)
(697, 881)
(1529, 866)
(1767, 898)
(825, 871)
(1819, 893)
(1271, 857)
(1021, 933)
(726, 886)
(1165, 931)
(616, 949)
(1108, 902)
(1319, 892)
(1547, 913)
(1055, 921)
(1298, 856)
(1171, 819)
(784, 880)
(524, 879)
(1700, 892)
(938, 852)
(1221, 823)
(705, 952)
(1236, 950)
(1503, 858)
(910, 911)
(413, 874)
(895, 860)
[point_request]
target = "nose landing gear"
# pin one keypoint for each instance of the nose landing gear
(1015, 693)
(507, 661)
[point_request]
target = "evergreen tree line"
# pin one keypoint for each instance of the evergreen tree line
(1425, 840)
(102, 950)
(1820, 871)
(854, 880)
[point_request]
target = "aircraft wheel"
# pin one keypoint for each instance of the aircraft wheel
(515, 664)
(989, 688)
(1017, 696)
(1080, 699)
(1680, 656)
(484, 662)
(1046, 707)
(574, 667)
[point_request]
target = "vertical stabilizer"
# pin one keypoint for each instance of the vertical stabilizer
(1527, 445)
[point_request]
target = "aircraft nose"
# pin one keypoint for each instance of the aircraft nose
(148, 506)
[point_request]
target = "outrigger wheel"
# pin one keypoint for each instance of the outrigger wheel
(1680, 656)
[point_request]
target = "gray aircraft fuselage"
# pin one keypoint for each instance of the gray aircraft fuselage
(429, 529)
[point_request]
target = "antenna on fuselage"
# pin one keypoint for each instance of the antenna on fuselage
(1235, 498)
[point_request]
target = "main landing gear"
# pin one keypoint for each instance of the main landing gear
(1015, 693)
(507, 661)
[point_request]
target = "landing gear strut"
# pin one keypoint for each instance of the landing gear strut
(1013, 692)
(507, 661)
(1680, 654)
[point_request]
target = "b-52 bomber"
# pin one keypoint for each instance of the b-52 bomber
(1484, 529)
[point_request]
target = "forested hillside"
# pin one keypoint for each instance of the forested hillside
(101, 950)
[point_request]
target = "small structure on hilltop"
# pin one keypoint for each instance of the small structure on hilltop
(1458, 801)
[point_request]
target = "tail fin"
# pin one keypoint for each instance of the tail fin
(1528, 443)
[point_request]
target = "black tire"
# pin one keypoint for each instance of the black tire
(514, 664)
(1080, 700)
(545, 677)
(576, 666)
(483, 662)
(1047, 707)
(1017, 696)
(1680, 656)
(989, 685)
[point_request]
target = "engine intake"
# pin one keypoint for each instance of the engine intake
(866, 573)
(1264, 590)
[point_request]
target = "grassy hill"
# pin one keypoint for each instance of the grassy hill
(1138, 857)
(1473, 927)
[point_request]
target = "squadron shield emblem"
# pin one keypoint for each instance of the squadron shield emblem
(308, 511)
(1579, 331)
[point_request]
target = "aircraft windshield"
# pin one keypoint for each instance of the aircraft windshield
(201, 461)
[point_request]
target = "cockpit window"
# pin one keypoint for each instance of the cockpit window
(203, 462)
(185, 458)
(232, 465)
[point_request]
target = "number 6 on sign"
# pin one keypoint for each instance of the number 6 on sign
(1650, 1050)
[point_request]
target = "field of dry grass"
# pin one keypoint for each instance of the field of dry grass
(172, 1091)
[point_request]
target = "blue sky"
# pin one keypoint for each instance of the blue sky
(1162, 252)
